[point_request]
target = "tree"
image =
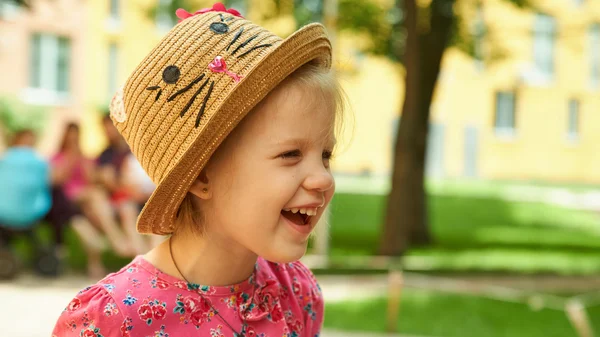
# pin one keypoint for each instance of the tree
(406, 219)
(430, 29)
(16, 115)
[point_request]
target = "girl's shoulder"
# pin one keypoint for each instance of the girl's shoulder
(294, 278)
(91, 312)
(297, 292)
(115, 304)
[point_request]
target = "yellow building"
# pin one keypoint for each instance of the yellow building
(41, 51)
(531, 114)
(118, 35)
(528, 115)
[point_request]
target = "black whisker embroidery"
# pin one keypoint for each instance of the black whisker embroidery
(187, 87)
(158, 93)
(236, 37)
(244, 44)
(254, 48)
(204, 103)
(185, 109)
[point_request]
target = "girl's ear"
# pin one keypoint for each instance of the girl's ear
(200, 187)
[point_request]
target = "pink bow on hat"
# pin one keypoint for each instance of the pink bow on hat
(182, 14)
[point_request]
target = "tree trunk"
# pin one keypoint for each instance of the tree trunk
(406, 219)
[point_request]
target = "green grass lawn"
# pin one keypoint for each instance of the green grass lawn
(478, 233)
(430, 313)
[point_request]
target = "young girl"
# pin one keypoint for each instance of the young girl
(236, 128)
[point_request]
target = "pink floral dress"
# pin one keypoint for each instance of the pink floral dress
(279, 300)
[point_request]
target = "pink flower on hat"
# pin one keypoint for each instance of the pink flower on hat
(182, 14)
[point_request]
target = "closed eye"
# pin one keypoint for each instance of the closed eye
(327, 155)
(291, 154)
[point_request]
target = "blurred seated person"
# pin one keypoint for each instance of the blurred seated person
(120, 176)
(65, 212)
(24, 182)
(136, 181)
(73, 177)
(140, 188)
(27, 199)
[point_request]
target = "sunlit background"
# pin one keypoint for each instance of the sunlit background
(477, 215)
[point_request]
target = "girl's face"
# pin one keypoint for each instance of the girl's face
(270, 170)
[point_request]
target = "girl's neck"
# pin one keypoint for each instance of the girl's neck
(206, 260)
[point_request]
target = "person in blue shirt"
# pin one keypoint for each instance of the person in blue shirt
(25, 184)
(29, 195)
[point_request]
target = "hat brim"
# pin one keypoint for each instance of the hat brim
(308, 44)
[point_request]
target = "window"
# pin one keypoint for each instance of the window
(113, 68)
(114, 9)
(594, 40)
(544, 33)
(8, 9)
(504, 123)
(50, 63)
(573, 122)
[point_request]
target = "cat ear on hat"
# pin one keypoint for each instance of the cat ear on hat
(117, 107)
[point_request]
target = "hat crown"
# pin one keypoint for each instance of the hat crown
(191, 91)
(179, 86)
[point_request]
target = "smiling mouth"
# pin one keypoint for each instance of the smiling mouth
(297, 218)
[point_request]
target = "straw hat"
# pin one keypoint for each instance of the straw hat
(189, 93)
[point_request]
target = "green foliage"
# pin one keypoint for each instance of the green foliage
(477, 232)
(308, 11)
(23, 3)
(15, 116)
(430, 313)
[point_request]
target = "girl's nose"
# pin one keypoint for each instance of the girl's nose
(320, 181)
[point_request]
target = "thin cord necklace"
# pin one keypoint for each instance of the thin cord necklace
(242, 333)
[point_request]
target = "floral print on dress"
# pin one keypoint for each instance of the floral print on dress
(129, 300)
(126, 327)
(111, 309)
(278, 300)
(195, 310)
(74, 304)
(217, 332)
(161, 332)
(152, 310)
(71, 325)
(91, 331)
(230, 301)
(109, 287)
(156, 282)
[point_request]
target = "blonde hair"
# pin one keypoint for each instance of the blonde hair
(309, 76)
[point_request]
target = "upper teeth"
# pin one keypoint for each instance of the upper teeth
(307, 211)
